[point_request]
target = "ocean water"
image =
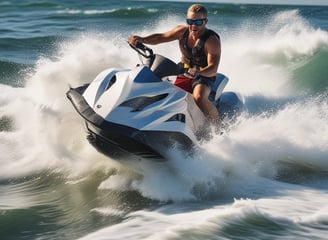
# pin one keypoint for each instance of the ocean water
(267, 178)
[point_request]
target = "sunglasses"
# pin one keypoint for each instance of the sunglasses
(197, 22)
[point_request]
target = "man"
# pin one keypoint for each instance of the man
(201, 52)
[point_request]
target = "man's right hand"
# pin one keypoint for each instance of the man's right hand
(134, 39)
(193, 72)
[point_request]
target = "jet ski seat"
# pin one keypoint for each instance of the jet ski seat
(218, 86)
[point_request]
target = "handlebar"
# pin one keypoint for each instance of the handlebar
(142, 49)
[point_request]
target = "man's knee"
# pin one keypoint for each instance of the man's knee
(200, 99)
(200, 92)
(197, 96)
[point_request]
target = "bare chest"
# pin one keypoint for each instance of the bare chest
(192, 42)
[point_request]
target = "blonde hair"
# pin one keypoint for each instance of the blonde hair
(198, 8)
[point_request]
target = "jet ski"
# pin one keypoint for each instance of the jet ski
(142, 112)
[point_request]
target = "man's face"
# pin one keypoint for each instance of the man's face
(195, 29)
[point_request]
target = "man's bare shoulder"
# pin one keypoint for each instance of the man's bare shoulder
(178, 31)
(213, 45)
(213, 41)
(214, 38)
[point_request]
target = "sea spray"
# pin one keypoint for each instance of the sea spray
(47, 132)
(268, 60)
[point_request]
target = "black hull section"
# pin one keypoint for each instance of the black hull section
(121, 142)
(230, 105)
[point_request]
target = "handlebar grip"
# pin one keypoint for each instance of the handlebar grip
(142, 49)
(141, 46)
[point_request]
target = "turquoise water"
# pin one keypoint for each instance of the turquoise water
(265, 179)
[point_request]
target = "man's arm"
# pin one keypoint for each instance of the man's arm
(157, 38)
(213, 51)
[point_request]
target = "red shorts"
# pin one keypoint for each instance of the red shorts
(188, 84)
(184, 82)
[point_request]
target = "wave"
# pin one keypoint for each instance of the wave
(22, 53)
(42, 4)
(128, 12)
(275, 54)
(313, 72)
(281, 215)
(303, 49)
(17, 43)
(13, 73)
(43, 197)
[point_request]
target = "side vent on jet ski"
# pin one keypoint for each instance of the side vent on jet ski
(139, 103)
(177, 117)
(111, 82)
